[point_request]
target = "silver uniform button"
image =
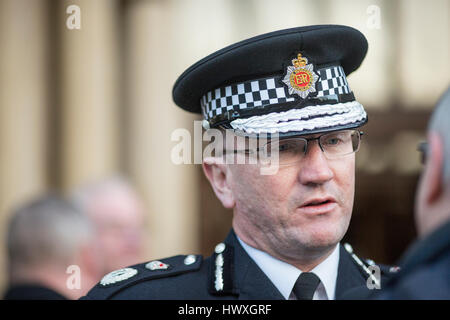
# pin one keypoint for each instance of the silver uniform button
(220, 248)
(190, 259)
(370, 262)
(205, 124)
(348, 248)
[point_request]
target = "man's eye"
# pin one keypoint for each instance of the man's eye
(287, 146)
(333, 141)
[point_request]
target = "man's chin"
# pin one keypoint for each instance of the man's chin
(326, 233)
(321, 240)
(323, 244)
(313, 240)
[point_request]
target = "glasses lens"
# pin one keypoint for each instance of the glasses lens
(288, 150)
(292, 150)
(340, 143)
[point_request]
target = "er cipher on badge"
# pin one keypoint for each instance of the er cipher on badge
(300, 78)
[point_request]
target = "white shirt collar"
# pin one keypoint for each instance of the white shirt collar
(284, 275)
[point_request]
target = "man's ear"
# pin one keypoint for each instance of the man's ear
(433, 170)
(219, 176)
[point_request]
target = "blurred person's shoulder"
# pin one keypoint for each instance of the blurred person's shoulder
(31, 291)
(425, 270)
(177, 277)
(428, 282)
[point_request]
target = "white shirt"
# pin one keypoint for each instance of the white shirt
(283, 275)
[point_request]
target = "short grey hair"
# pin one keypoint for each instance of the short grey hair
(440, 123)
(46, 230)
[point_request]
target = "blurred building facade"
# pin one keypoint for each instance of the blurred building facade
(81, 104)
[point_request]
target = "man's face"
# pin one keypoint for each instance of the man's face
(304, 206)
(118, 217)
(432, 197)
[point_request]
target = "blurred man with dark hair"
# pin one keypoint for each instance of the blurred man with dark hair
(51, 253)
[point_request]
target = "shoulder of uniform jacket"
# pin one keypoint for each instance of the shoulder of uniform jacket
(369, 267)
(120, 279)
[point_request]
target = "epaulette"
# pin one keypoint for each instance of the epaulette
(118, 280)
(366, 267)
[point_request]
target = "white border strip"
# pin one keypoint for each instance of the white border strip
(329, 115)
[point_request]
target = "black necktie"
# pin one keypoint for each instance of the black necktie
(305, 286)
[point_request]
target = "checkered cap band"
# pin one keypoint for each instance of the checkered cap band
(268, 91)
(332, 81)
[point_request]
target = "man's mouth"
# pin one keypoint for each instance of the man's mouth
(318, 205)
(316, 202)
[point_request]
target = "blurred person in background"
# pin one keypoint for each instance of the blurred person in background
(116, 212)
(425, 267)
(51, 253)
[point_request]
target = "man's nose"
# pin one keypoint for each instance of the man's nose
(314, 167)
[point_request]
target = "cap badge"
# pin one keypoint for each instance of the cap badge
(157, 265)
(300, 78)
(118, 275)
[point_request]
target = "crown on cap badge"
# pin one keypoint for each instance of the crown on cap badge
(300, 78)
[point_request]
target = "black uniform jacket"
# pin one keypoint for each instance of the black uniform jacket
(425, 270)
(31, 292)
(234, 275)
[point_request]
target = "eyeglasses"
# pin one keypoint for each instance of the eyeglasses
(291, 150)
(422, 147)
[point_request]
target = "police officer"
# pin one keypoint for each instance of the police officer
(287, 91)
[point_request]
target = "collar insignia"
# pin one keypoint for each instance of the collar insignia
(157, 265)
(118, 275)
